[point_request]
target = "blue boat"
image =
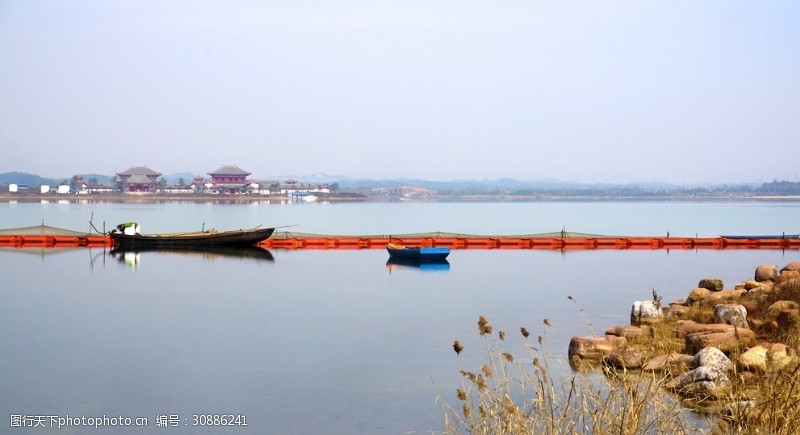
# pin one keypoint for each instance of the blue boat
(417, 253)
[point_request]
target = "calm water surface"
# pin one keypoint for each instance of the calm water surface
(322, 341)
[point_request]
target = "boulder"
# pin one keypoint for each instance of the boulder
(702, 383)
(713, 358)
(713, 284)
(697, 295)
(678, 311)
(752, 284)
(646, 313)
(727, 338)
(766, 272)
(777, 307)
(731, 314)
(682, 302)
(727, 295)
(685, 328)
(787, 275)
(780, 356)
(788, 320)
(759, 294)
(672, 363)
(754, 358)
(627, 331)
(770, 358)
(594, 348)
(626, 358)
(792, 266)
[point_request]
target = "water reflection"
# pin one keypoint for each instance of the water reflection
(425, 266)
(132, 256)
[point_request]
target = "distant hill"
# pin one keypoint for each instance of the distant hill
(25, 178)
(7, 178)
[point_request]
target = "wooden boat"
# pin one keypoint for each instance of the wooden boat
(417, 253)
(246, 237)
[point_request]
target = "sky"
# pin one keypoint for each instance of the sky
(687, 92)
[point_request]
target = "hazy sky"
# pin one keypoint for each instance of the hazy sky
(616, 91)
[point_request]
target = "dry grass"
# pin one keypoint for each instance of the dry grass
(701, 313)
(517, 394)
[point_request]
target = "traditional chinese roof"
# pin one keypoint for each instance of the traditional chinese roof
(229, 170)
(139, 170)
(140, 179)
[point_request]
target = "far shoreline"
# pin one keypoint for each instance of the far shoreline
(354, 197)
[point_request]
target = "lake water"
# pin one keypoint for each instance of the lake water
(323, 341)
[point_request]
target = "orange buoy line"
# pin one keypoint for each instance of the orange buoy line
(54, 241)
(552, 243)
(453, 242)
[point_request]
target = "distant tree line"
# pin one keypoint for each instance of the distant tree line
(779, 188)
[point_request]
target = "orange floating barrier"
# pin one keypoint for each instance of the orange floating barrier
(567, 241)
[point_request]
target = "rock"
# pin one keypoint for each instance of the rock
(672, 363)
(646, 313)
(792, 266)
(769, 328)
(627, 331)
(752, 307)
(682, 302)
(677, 311)
(626, 358)
(697, 295)
(777, 307)
(787, 320)
(787, 275)
(685, 328)
(758, 294)
(729, 339)
(780, 356)
(766, 272)
(728, 295)
(713, 284)
(731, 314)
(772, 358)
(752, 284)
(702, 383)
(754, 358)
(713, 358)
(594, 348)
(722, 297)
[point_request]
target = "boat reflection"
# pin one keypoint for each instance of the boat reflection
(427, 266)
(131, 255)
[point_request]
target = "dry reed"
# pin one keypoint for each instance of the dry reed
(515, 394)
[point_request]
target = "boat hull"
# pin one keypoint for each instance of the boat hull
(418, 254)
(205, 238)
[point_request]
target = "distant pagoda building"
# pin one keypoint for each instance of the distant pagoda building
(229, 179)
(198, 183)
(138, 179)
